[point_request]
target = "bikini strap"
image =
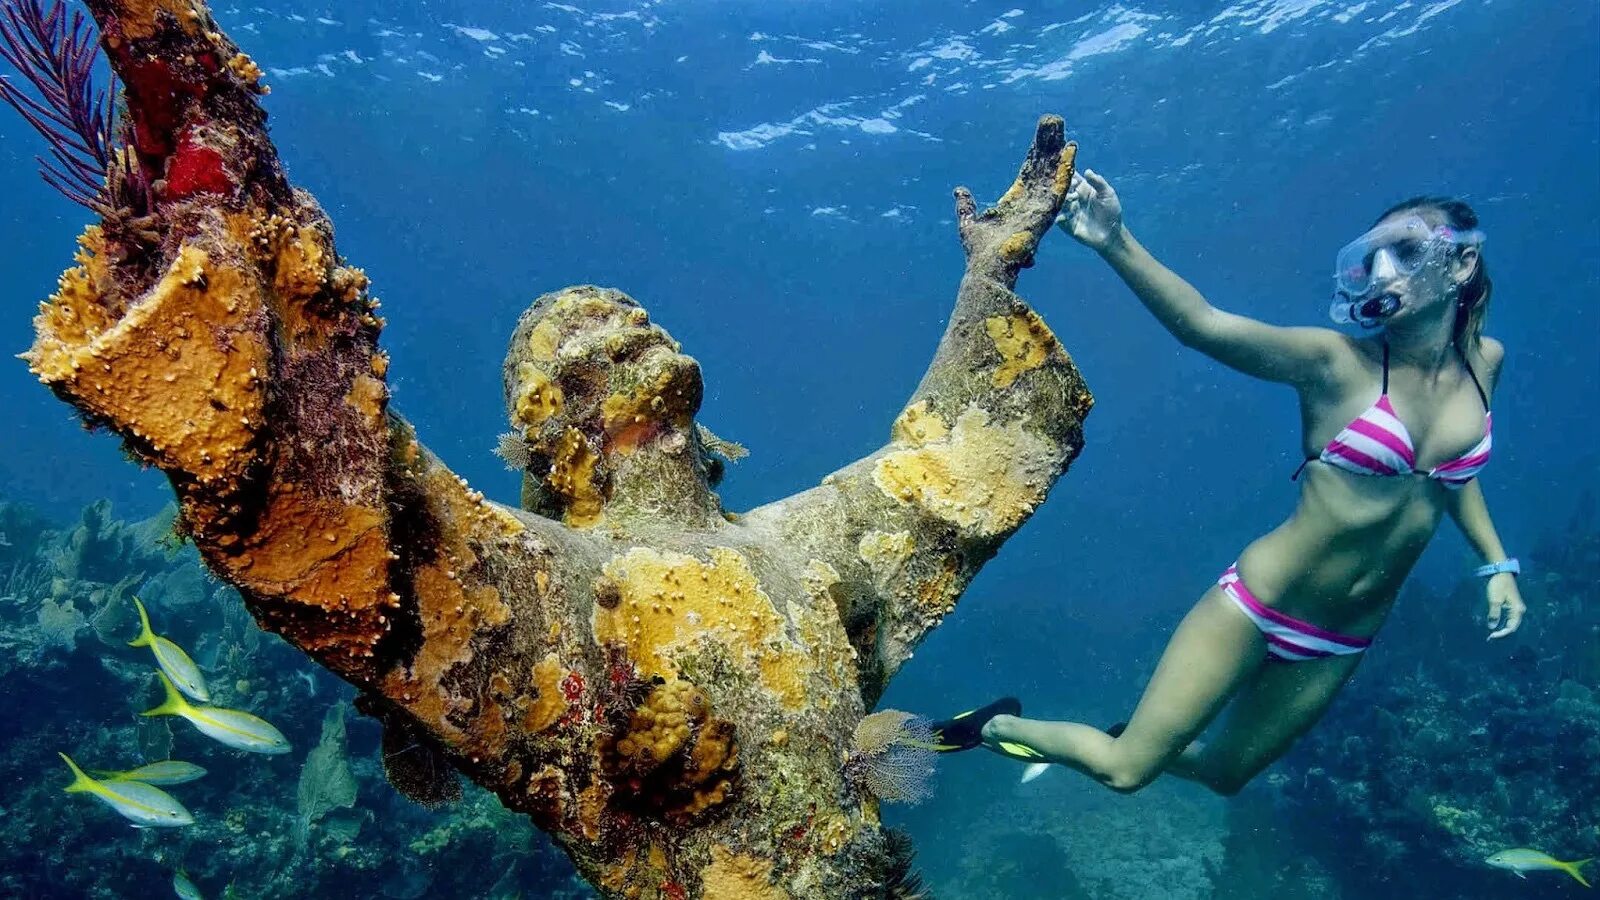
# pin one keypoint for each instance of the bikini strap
(1474, 375)
(1386, 367)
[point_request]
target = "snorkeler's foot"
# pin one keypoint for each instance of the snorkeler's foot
(965, 731)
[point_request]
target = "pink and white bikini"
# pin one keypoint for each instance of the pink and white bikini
(1374, 443)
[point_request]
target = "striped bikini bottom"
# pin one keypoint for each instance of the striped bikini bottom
(1288, 639)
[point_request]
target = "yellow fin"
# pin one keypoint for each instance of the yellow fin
(173, 705)
(80, 780)
(1575, 869)
(146, 636)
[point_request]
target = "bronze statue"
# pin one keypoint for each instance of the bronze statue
(666, 687)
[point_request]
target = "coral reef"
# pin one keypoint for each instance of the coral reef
(623, 661)
(1065, 838)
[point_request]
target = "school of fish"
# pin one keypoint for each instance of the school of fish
(133, 793)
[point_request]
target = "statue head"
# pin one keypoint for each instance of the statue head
(602, 407)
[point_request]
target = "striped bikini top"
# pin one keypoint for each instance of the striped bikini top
(1377, 442)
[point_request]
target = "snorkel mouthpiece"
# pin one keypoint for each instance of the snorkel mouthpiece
(1380, 307)
(1368, 312)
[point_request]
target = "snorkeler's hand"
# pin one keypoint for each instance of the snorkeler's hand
(1092, 213)
(1505, 601)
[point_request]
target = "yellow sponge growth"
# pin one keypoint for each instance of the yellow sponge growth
(1023, 341)
(548, 703)
(197, 415)
(661, 725)
(572, 478)
(984, 477)
(1019, 246)
(658, 603)
(75, 314)
(917, 426)
(138, 20)
(538, 398)
(739, 876)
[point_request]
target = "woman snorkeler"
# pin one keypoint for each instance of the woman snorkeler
(1396, 428)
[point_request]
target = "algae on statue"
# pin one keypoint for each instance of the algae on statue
(664, 686)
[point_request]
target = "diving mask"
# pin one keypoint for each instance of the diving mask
(1405, 244)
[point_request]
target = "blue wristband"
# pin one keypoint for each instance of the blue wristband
(1505, 565)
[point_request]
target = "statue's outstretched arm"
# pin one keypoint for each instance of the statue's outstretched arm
(997, 418)
(212, 325)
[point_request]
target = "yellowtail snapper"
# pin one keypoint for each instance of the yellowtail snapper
(139, 803)
(167, 771)
(1522, 860)
(171, 658)
(239, 730)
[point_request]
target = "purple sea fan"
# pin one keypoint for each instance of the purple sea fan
(891, 756)
(57, 55)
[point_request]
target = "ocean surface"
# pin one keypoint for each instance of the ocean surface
(772, 180)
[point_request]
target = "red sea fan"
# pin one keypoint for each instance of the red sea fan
(57, 56)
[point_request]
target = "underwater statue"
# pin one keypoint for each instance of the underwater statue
(667, 688)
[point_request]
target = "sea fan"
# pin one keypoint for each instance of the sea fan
(892, 756)
(514, 451)
(57, 55)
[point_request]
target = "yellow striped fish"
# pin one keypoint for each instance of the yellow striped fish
(171, 658)
(139, 803)
(167, 771)
(239, 730)
(1521, 860)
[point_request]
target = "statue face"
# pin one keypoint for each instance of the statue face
(590, 359)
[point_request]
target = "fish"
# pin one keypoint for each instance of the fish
(1522, 860)
(167, 771)
(171, 658)
(184, 888)
(1034, 770)
(234, 728)
(143, 805)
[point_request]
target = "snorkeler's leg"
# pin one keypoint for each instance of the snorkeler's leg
(1270, 714)
(1215, 649)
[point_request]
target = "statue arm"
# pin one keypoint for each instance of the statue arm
(996, 419)
(212, 325)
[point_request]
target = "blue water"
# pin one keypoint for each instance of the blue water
(772, 180)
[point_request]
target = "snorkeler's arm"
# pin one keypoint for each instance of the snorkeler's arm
(1298, 356)
(1270, 352)
(894, 538)
(1470, 512)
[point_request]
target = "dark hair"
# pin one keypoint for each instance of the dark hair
(1472, 305)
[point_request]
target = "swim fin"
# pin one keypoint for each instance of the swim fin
(965, 731)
